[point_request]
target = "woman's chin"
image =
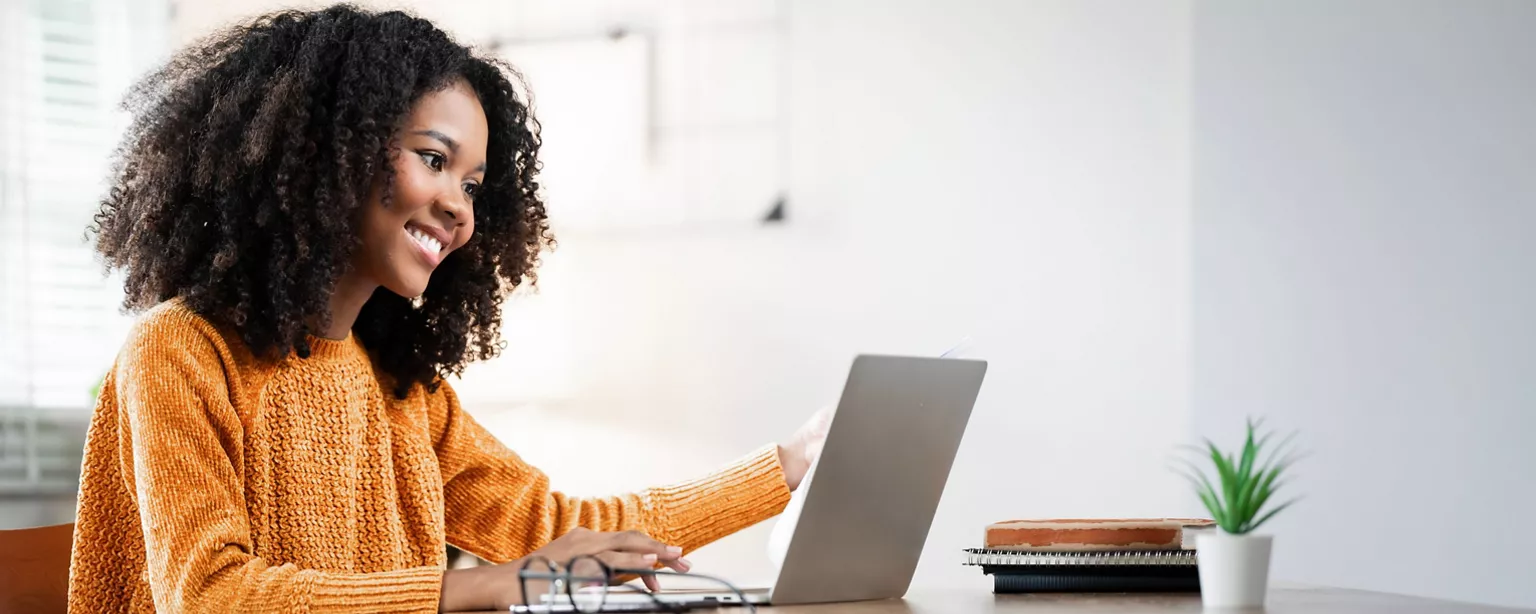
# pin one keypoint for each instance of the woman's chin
(408, 290)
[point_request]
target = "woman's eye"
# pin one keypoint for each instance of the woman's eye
(433, 161)
(471, 189)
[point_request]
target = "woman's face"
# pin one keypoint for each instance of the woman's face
(438, 169)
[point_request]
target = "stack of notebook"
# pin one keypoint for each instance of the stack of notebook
(1104, 555)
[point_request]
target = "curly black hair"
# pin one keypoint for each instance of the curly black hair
(238, 183)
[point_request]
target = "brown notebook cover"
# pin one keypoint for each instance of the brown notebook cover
(1090, 535)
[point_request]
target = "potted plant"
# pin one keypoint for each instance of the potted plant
(1233, 561)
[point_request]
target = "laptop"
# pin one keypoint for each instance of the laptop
(867, 511)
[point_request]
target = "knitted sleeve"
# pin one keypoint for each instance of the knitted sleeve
(183, 440)
(500, 508)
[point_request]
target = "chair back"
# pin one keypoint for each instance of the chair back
(34, 569)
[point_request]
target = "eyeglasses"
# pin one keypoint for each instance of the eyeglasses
(586, 584)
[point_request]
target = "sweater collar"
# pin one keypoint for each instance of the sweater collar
(332, 349)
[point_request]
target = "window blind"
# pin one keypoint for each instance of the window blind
(65, 65)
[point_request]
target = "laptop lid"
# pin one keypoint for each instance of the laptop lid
(878, 482)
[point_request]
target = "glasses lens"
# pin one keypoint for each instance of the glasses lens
(536, 579)
(589, 583)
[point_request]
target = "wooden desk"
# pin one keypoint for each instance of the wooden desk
(1281, 601)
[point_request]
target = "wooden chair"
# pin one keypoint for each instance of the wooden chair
(34, 569)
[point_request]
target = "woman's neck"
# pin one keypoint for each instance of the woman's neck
(352, 292)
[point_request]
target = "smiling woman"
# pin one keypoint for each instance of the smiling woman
(321, 213)
(262, 162)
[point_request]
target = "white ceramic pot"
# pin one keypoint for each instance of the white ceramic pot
(1234, 569)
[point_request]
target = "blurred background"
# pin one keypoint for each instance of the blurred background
(1154, 218)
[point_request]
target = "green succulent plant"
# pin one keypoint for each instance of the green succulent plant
(1247, 483)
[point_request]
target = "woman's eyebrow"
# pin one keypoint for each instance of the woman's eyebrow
(453, 145)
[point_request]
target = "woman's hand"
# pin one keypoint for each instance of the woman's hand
(797, 453)
(625, 550)
(497, 586)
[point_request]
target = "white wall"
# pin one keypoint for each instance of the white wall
(1364, 197)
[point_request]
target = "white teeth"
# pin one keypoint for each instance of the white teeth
(425, 240)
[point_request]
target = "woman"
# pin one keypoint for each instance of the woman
(321, 213)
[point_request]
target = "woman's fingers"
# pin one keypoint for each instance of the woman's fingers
(679, 564)
(641, 562)
(628, 560)
(635, 541)
(626, 550)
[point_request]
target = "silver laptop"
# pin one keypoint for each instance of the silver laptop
(867, 511)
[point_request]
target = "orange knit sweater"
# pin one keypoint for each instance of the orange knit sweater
(214, 481)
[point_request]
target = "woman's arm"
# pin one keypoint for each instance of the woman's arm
(182, 437)
(500, 508)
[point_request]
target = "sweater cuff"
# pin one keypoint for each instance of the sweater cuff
(407, 590)
(697, 512)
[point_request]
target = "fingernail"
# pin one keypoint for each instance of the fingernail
(675, 549)
(685, 564)
(649, 558)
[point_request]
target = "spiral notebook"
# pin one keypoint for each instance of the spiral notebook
(1090, 555)
(1116, 571)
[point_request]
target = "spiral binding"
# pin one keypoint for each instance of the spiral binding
(983, 556)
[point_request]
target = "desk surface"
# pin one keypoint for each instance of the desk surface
(1281, 601)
